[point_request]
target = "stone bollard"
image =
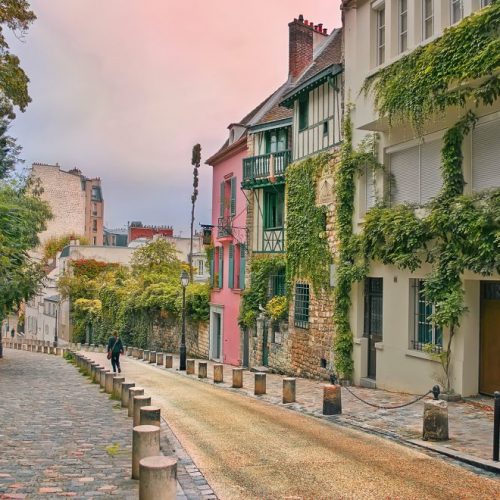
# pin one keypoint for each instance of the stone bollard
(435, 421)
(124, 395)
(45, 349)
(132, 393)
(202, 369)
(260, 384)
(158, 478)
(152, 356)
(129, 351)
(117, 387)
(145, 443)
(332, 399)
(140, 354)
(102, 378)
(79, 347)
(149, 415)
(159, 358)
(190, 366)
(237, 378)
(169, 361)
(108, 382)
(101, 349)
(289, 390)
(218, 373)
(96, 374)
(145, 355)
(58, 351)
(138, 403)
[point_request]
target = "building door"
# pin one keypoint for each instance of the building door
(216, 335)
(489, 365)
(373, 321)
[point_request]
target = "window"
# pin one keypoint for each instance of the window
(94, 225)
(276, 140)
(94, 210)
(301, 314)
(242, 267)
(484, 3)
(201, 268)
(456, 10)
(416, 173)
(277, 285)
(304, 111)
(325, 128)
(370, 197)
(274, 208)
(96, 194)
(424, 331)
(380, 35)
(485, 154)
(228, 197)
(427, 19)
(403, 25)
(94, 241)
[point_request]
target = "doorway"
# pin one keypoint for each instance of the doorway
(216, 334)
(489, 364)
(373, 321)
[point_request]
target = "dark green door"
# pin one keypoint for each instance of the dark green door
(265, 346)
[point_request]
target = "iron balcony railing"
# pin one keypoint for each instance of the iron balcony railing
(257, 168)
(224, 227)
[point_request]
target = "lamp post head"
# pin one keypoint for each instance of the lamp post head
(184, 278)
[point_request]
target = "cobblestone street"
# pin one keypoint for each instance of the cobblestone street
(60, 436)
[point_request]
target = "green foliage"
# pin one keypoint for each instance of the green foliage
(55, 244)
(22, 217)
(308, 255)
(261, 269)
(197, 301)
(159, 257)
(457, 68)
(277, 307)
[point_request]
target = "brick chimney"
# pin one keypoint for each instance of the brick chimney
(304, 37)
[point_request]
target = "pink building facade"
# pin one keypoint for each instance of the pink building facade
(229, 249)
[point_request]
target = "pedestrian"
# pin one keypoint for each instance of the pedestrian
(115, 348)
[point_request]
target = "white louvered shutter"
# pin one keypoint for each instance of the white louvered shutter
(369, 188)
(486, 156)
(430, 171)
(405, 176)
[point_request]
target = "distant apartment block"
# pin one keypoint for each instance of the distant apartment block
(76, 202)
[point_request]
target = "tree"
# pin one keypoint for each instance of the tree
(195, 161)
(159, 257)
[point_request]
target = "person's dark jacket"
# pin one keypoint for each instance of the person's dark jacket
(118, 348)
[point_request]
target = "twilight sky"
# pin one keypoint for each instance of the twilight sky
(122, 89)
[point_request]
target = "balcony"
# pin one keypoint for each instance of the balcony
(263, 169)
(225, 228)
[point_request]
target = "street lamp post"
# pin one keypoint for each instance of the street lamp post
(182, 353)
(55, 331)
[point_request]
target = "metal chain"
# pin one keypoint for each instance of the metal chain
(387, 407)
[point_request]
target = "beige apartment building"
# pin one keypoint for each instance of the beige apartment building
(389, 314)
(76, 202)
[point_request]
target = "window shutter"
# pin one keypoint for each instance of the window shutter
(212, 266)
(430, 171)
(243, 259)
(221, 267)
(230, 277)
(486, 156)
(233, 196)
(405, 174)
(370, 198)
(222, 196)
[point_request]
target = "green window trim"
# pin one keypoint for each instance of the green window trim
(233, 196)
(230, 277)
(303, 104)
(220, 274)
(211, 257)
(274, 208)
(222, 198)
(242, 266)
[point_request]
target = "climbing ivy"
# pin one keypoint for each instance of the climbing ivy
(457, 68)
(308, 255)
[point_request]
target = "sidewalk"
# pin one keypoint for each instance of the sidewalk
(470, 421)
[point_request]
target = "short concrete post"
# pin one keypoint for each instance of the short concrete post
(96, 376)
(332, 399)
(51, 349)
(102, 378)
(132, 393)
(45, 349)
(237, 378)
(158, 478)
(149, 415)
(108, 382)
(140, 354)
(159, 358)
(145, 355)
(202, 369)
(145, 443)
(139, 402)
(260, 384)
(218, 373)
(169, 361)
(190, 366)
(117, 387)
(152, 356)
(435, 421)
(124, 395)
(289, 390)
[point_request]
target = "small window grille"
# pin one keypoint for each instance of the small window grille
(301, 316)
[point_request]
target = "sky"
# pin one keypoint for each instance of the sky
(123, 89)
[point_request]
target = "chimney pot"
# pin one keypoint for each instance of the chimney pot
(320, 27)
(325, 31)
(301, 18)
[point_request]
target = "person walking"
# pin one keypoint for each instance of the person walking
(115, 348)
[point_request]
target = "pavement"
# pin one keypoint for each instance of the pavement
(61, 436)
(255, 447)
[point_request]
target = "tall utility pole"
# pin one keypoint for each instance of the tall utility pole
(195, 161)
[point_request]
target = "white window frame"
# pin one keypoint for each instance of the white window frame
(485, 3)
(402, 35)
(453, 3)
(380, 29)
(425, 17)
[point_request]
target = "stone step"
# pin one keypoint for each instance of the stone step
(369, 383)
